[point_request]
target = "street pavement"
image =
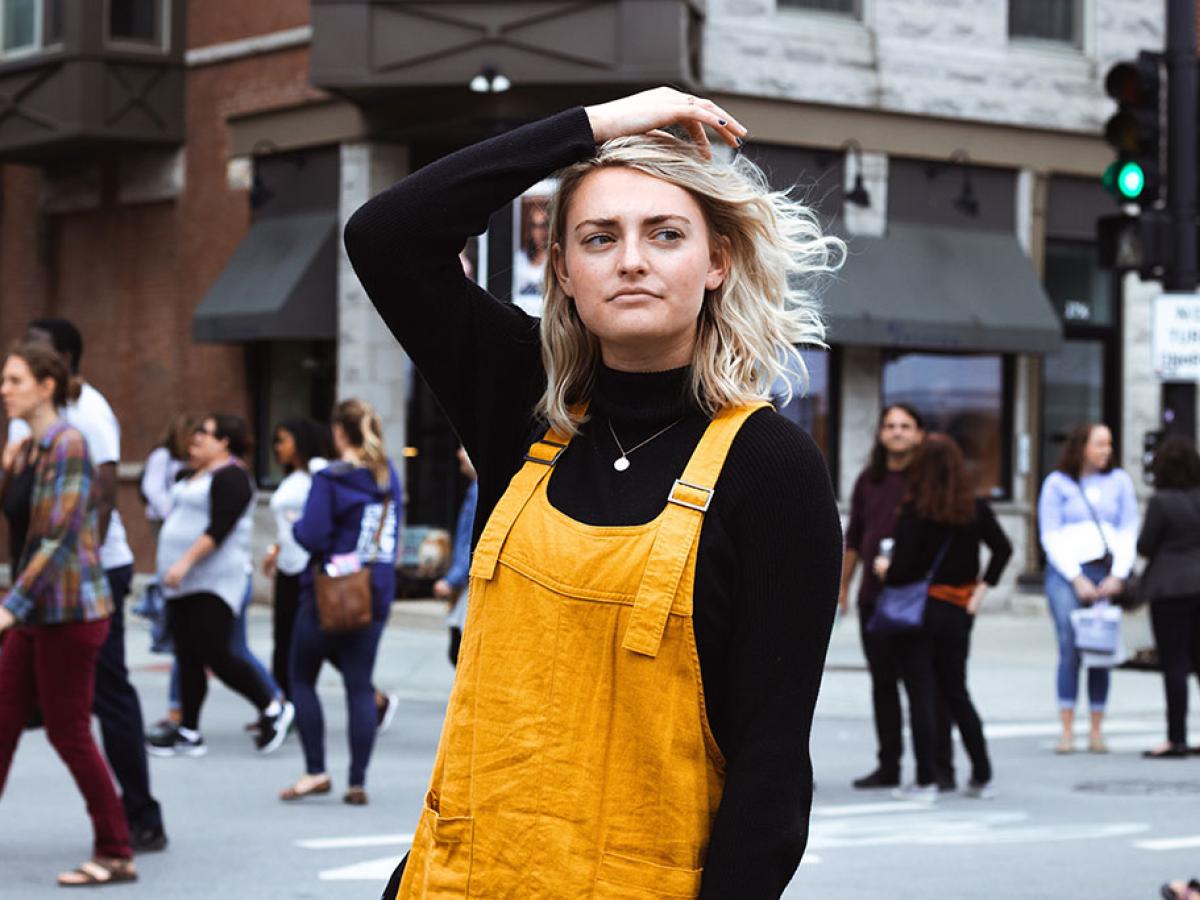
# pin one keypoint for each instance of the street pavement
(1099, 827)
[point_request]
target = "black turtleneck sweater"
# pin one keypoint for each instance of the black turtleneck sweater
(769, 559)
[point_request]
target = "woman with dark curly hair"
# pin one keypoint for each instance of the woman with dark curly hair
(941, 525)
(1170, 539)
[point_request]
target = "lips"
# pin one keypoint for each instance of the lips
(641, 294)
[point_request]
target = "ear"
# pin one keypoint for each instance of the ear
(718, 263)
(558, 259)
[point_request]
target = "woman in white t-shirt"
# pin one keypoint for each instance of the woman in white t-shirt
(302, 447)
(162, 469)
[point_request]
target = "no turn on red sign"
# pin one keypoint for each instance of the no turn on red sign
(1175, 341)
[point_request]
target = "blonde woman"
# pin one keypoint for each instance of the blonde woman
(657, 551)
(353, 508)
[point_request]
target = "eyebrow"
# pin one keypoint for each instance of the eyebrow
(650, 220)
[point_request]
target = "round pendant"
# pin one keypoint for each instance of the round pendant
(621, 463)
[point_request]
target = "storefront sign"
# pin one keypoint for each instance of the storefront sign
(1175, 346)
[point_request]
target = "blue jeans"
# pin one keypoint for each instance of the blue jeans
(353, 653)
(1062, 599)
(240, 647)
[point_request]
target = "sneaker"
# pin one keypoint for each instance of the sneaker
(273, 729)
(162, 728)
(149, 839)
(946, 784)
(979, 790)
(386, 713)
(175, 744)
(878, 779)
(919, 793)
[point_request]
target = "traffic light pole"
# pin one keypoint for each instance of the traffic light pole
(1179, 398)
(1181, 271)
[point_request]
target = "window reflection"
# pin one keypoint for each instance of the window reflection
(811, 410)
(959, 395)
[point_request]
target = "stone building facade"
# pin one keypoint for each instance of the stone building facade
(304, 108)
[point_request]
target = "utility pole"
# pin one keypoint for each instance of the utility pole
(1180, 275)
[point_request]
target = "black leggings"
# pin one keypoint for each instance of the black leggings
(1176, 623)
(933, 663)
(283, 622)
(202, 625)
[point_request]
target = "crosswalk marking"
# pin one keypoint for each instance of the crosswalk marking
(377, 870)
(870, 809)
(368, 840)
(1178, 843)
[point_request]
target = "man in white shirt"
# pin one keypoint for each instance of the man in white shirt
(116, 702)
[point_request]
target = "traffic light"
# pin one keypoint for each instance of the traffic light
(1138, 130)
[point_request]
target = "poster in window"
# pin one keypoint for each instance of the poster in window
(531, 233)
(474, 257)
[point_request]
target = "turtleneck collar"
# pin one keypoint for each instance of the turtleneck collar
(642, 398)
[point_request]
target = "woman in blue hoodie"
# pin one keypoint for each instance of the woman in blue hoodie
(342, 515)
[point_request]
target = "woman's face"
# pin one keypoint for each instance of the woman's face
(1098, 450)
(285, 447)
(205, 447)
(20, 391)
(637, 257)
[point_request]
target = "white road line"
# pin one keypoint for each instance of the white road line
(1048, 728)
(377, 870)
(368, 840)
(870, 809)
(1179, 843)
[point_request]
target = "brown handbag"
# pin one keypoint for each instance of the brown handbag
(344, 601)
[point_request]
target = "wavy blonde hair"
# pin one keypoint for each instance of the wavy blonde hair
(364, 431)
(749, 328)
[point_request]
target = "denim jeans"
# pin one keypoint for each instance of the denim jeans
(1062, 600)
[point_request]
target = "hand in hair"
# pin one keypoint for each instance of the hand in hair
(658, 108)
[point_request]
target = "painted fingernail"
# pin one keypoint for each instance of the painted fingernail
(722, 122)
(740, 142)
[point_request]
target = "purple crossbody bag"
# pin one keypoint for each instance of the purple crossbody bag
(901, 607)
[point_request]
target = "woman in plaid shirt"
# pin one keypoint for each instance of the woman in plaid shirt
(55, 616)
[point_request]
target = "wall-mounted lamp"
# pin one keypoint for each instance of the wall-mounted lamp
(489, 81)
(858, 194)
(966, 202)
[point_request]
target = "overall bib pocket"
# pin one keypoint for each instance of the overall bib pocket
(625, 878)
(444, 862)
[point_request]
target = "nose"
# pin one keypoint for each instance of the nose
(632, 258)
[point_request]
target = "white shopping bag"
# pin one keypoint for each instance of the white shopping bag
(1098, 635)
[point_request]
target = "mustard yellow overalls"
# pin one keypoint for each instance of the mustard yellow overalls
(576, 759)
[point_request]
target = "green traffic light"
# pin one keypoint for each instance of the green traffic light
(1130, 180)
(1125, 179)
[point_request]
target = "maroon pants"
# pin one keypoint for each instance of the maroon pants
(57, 665)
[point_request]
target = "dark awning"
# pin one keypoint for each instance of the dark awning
(938, 288)
(281, 284)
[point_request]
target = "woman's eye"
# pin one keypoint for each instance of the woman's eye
(597, 240)
(669, 235)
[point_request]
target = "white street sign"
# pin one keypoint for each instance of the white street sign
(1175, 342)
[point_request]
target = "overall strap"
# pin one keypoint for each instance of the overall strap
(687, 502)
(539, 461)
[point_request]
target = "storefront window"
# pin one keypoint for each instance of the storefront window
(964, 396)
(811, 410)
(1080, 289)
(1072, 393)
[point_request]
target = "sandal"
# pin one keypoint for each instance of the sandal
(97, 871)
(1064, 746)
(355, 796)
(1166, 751)
(1177, 890)
(1097, 745)
(321, 786)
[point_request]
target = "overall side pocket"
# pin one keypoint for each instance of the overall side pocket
(625, 878)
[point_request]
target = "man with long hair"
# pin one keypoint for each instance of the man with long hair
(874, 505)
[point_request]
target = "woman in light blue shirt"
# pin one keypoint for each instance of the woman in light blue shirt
(1088, 520)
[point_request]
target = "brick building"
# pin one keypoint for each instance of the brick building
(192, 232)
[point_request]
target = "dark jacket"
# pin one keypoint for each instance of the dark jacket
(341, 515)
(919, 540)
(1170, 539)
